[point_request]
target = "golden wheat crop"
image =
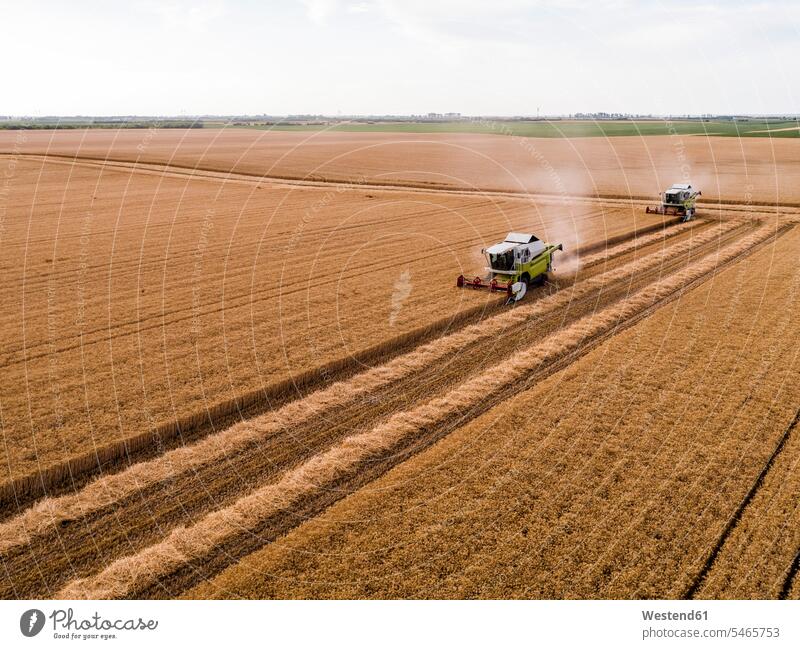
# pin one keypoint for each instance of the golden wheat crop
(138, 308)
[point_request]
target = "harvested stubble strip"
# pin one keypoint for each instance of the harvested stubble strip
(129, 575)
(103, 492)
(636, 243)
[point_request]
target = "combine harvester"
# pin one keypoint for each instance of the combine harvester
(514, 264)
(678, 200)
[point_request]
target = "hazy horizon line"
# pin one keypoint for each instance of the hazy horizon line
(409, 116)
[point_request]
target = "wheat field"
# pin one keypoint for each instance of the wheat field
(236, 364)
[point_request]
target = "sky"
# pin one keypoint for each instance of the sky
(361, 57)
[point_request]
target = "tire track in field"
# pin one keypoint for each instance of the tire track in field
(120, 519)
(736, 517)
(190, 554)
(791, 576)
(76, 471)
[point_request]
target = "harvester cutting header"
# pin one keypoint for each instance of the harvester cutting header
(513, 264)
(677, 200)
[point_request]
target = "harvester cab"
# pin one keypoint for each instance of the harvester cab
(680, 199)
(513, 265)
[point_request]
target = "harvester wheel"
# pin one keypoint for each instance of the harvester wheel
(525, 277)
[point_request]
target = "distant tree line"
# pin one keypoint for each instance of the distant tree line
(32, 126)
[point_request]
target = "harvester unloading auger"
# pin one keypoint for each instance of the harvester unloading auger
(678, 200)
(514, 264)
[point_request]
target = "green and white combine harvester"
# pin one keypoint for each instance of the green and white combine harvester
(680, 199)
(513, 265)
